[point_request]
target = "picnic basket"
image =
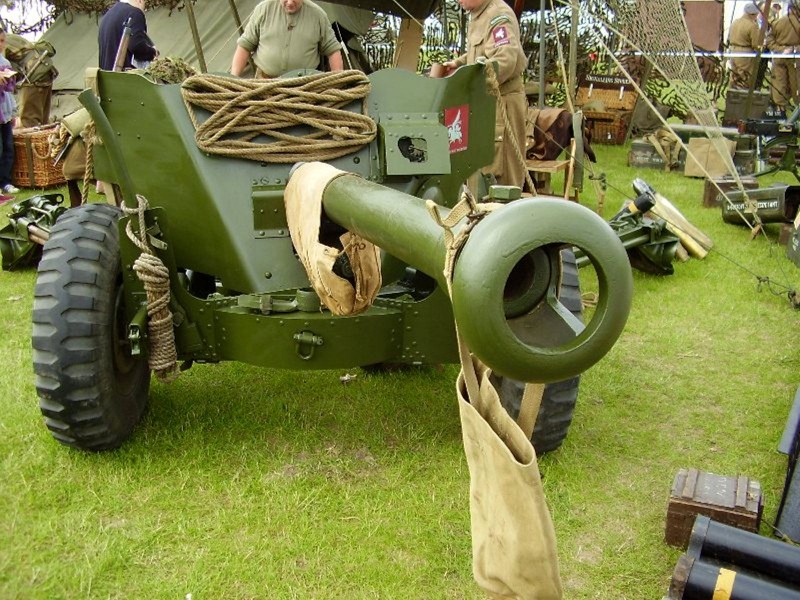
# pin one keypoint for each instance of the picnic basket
(33, 166)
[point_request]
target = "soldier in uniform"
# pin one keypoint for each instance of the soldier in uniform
(283, 35)
(494, 34)
(744, 38)
(785, 39)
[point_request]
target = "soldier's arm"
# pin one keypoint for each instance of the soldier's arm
(140, 45)
(335, 61)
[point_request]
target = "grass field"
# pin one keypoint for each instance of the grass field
(251, 483)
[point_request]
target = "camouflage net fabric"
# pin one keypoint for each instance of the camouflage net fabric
(658, 31)
(169, 70)
(252, 118)
(97, 6)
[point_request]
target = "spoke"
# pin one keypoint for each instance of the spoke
(566, 317)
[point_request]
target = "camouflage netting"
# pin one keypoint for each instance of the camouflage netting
(445, 36)
(91, 6)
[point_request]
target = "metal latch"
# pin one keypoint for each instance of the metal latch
(307, 343)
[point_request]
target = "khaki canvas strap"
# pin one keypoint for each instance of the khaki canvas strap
(529, 407)
(513, 539)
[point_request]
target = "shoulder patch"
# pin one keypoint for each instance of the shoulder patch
(500, 36)
(498, 20)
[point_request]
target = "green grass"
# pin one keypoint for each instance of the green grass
(251, 483)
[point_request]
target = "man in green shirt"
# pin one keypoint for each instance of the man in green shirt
(283, 35)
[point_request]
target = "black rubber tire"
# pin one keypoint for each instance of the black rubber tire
(92, 392)
(560, 398)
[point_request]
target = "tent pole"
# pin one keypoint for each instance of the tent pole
(573, 50)
(236, 18)
(542, 61)
(198, 47)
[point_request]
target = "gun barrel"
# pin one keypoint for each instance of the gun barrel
(512, 258)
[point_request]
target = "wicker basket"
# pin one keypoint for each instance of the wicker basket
(607, 127)
(33, 167)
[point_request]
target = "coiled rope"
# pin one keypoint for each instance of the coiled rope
(150, 270)
(244, 110)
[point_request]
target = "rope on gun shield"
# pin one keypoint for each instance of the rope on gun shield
(90, 138)
(494, 89)
(468, 208)
(150, 270)
(255, 119)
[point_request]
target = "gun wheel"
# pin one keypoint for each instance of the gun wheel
(92, 392)
(559, 398)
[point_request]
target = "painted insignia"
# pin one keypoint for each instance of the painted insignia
(456, 120)
(500, 35)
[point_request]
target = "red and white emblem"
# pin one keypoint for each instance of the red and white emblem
(500, 35)
(456, 120)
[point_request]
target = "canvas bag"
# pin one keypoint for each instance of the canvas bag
(513, 538)
(303, 199)
(29, 59)
(703, 157)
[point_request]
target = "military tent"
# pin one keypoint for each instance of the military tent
(74, 37)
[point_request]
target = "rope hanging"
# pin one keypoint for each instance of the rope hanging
(242, 110)
(493, 87)
(150, 270)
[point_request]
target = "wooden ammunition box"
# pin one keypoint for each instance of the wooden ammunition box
(735, 501)
(712, 197)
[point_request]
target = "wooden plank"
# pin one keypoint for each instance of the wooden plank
(409, 41)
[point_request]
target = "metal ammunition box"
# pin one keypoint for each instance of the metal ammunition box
(774, 204)
(644, 155)
(785, 234)
(711, 193)
(736, 102)
(745, 161)
(735, 501)
(793, 248)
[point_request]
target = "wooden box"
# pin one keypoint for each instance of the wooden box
(735, 501)
(712, 197)
(33, 166)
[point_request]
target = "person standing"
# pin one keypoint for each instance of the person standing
(744, 37)
(140, 47)
(7, 109)
(785, 39)
(283, 35)
(493, 33)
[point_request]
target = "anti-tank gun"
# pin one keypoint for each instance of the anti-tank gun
(778, 134)
(237, 290)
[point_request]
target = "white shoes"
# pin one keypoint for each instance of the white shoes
(10, 189)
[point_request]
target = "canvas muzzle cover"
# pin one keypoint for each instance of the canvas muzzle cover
(513, 539)
(303, 199)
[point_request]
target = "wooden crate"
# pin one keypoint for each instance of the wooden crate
(33, 167)
(616, 93)
(735, 501)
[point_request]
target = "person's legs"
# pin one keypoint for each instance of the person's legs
(6, 153)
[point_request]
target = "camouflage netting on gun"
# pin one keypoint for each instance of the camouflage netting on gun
(169, 70)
